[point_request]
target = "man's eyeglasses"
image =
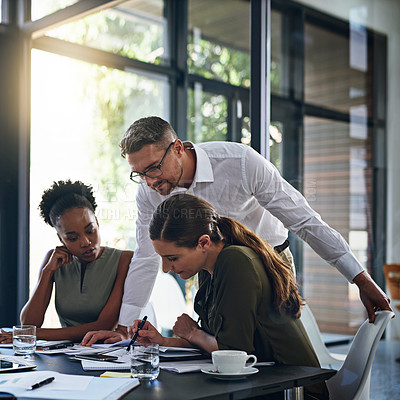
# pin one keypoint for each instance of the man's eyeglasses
(152, 172)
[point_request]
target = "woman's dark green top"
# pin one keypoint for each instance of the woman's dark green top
(235, 306)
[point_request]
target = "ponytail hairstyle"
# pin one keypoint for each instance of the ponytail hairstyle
(183, 218)
(63, 196)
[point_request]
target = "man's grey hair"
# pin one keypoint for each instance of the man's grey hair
(144, 131)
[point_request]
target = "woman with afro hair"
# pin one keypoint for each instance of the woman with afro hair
(88, 278)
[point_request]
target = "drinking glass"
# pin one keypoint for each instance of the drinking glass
(24, 339)
(145, 361)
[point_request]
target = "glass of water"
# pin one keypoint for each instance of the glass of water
(145, 362)
(24, 339)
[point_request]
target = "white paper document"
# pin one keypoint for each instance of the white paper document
(182, 367)
(123, 362)
(164, 349)
(64, 387)
(17, 360)
(121, 343)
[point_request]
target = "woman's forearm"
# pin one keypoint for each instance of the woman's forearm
(176, 342)
(75, 333)
(202, 339)
(34, 310)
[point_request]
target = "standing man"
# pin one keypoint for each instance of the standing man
(240, 184)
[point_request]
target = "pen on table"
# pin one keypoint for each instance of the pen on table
(42, 383)
(56, 346)
(135, 335)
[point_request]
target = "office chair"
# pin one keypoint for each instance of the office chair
(392, 277)
(149, 311)
(352, 381)
(325, 357)
(168, 302)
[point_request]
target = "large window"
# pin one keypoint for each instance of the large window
(338, 161)
(99, 65)
(79, 113)
(338, 185)
(93, 76)
(219, 40)
(324, 75)
(41, 8)
(219, 70)
(134, 29)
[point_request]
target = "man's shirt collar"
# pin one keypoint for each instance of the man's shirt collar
(204, 171)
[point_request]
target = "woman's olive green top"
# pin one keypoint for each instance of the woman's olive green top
(235, 305)
(81, 301)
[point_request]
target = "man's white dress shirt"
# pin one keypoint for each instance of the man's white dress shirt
(243, 185)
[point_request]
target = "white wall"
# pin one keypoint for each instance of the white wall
(382, 16)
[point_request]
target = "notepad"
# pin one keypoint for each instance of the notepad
(124, 363)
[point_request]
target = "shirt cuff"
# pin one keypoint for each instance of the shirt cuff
(128, 313)
(348, 266)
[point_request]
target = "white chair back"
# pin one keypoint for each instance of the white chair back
(325, 357)
(149, 311)
(352, 380)
(167, 300)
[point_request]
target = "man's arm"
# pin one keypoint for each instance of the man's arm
(144, 265)
(140, 279)
(288, 205)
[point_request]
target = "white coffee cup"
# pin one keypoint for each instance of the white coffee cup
(231, 361)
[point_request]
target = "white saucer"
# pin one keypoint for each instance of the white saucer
(238, 375)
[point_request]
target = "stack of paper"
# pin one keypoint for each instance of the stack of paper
(182, 367)
(182, 352)
(53, 344)
(176, 354)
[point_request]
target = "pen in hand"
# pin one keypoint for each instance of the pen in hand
(135, 335)
(42, 383)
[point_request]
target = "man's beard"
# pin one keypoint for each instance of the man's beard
(171, 187)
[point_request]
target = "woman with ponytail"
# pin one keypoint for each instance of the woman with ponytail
(88, 278)
(247, 298)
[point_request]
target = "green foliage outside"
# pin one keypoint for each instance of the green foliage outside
(207, 121)
(214, 61)
(118, 98)
(117, 33)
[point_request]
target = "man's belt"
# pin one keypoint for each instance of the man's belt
(282, 246)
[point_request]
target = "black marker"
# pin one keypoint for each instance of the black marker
(45, 382)
(135, 335)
